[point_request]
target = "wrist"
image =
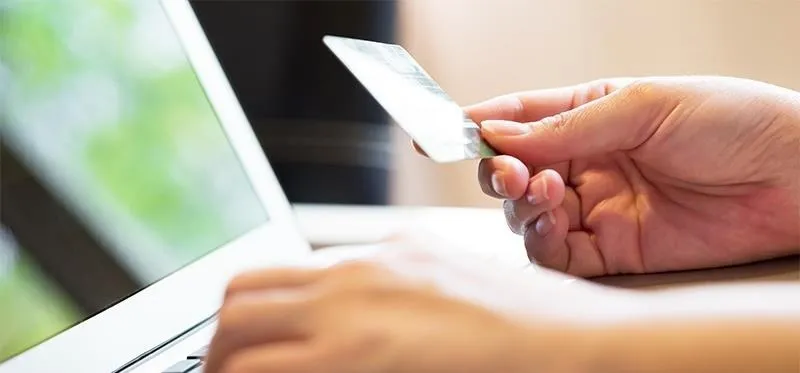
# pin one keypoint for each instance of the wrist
(561, 347)
(588, 337)
(731, 328)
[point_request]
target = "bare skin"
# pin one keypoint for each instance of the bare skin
(648, 175)
(415, 310)
(618, 176)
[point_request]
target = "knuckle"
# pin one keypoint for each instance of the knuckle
(236, 284)
(650, 102)
(590, 91)
(603, 87)
(228, 316)
(356, 268)
(558, 123)
(643, 90)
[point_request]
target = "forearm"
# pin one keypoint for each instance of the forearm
(728, 329)
(732, 345)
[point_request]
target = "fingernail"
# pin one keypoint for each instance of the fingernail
(545, 223)
(498, 184)
(537, 191)
(505, 128)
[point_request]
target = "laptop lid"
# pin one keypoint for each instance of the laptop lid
(133, 187)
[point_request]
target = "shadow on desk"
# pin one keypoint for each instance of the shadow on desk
(783, 270)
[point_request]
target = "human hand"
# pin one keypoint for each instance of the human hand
(647, 175)
(404, 311)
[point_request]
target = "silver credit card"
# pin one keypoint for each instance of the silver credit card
(412, 98)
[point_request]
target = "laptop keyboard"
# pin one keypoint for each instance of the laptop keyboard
(192, 364)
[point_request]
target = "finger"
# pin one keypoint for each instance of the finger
(586, 259)
(263, 317)
(572, 205)
(544, 239)
(531, 106)
(544, 193)
(562, 168)
(373, 271)
(550, 245)
(545, 188)
(620, 121)
(503, 177)
(289, 357)
(271, 279)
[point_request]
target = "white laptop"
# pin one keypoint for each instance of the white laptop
(134, 188)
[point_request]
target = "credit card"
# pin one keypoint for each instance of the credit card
(412, 98)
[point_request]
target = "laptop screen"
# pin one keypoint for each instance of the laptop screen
(115, 170)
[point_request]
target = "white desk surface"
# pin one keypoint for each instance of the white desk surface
(485, 230)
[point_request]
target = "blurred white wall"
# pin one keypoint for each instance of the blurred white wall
(480, 48)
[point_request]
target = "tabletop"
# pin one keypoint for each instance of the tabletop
(484, 230)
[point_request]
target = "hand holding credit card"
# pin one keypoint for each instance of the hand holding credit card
(412, 98)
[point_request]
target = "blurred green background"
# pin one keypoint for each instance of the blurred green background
(32, 309)
(109, 114)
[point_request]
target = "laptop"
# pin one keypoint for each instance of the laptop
(134, 188)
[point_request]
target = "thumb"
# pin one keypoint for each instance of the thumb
(622, 120)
